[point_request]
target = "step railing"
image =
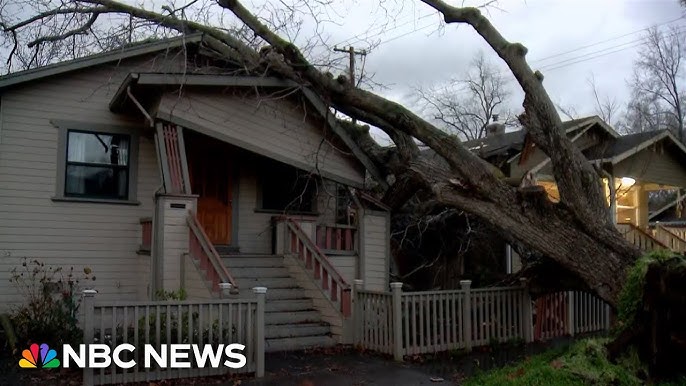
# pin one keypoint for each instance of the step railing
(671, 240)
(679, 231)
(146, 235)
(202, 250)
(640, 238)
(327, 277)
(337, 238)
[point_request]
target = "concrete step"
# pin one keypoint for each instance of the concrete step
(254, 261)
(289, 317)
(258, 272)
(289, 305)
(269, 282)
(295, 330)
(286, 293)
(298, 343)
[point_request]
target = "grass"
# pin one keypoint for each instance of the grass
(584, 363)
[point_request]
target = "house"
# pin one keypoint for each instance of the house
(161, 168)
(671, 216)
(632, 166)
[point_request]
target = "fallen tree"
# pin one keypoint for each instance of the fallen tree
(576, 235)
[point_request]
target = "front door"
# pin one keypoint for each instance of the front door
(211, 174)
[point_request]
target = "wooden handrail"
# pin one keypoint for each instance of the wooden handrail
(640, 238)
(676, 243)
(332, 283)
(338, 238)
(216, 269)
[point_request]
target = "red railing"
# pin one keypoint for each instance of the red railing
(551, 316)
(202, 250)
(173, 151)
(336, 238)
(329, 280)
(146, 234)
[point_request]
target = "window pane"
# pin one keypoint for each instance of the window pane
(94, 181)
(98, 148)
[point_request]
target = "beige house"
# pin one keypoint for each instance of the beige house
(631, 166)
(162, 168)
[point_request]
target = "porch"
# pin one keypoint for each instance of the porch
(231, 220)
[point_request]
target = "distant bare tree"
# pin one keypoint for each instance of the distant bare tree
(466, 105)
(657, 100)
(606, 107)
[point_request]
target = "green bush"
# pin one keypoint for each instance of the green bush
(52, 298)
(632, 294)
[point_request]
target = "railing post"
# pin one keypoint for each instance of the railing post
(527, 313)
(358, 316)
(467, 313)
(88, 326)
(261, 293)
(397, 291)
(224, 290)
(571, 317)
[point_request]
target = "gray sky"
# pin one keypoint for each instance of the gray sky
(415, 51)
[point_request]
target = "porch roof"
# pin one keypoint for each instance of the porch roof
(146, 83)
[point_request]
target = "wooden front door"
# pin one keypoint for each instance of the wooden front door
(211, 174)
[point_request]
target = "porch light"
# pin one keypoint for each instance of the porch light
(628, 181)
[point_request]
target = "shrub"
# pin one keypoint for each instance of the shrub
(51, 303)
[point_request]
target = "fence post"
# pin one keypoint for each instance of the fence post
(261, 293)
(357, 311)
(397, 291)
(467, 313)
(607, 316)
(571, 317)
(527, 314)
(88, 326)
(224, 290)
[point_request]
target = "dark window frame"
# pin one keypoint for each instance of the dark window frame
(268, 173)
(126, 167)
(63, 129)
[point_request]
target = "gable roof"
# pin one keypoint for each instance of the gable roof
(623, 147)
(515, 140)
(124, 52)
(149, 47)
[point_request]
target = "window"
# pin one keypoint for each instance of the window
(97, 165)
(287, 189)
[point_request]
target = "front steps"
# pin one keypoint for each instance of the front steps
(291, 321)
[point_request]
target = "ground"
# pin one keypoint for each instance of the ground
(325, 367)
(348, 367)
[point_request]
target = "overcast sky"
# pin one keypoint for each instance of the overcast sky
(415, 51)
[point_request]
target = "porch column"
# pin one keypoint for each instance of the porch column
(613, 198)
(171, 232)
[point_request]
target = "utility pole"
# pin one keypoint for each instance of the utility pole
(352, 52)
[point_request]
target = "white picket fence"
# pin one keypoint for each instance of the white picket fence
(213, 322)
(408, 323)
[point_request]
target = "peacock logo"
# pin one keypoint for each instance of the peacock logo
(31, 360)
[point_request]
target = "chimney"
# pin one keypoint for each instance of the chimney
(495, 128)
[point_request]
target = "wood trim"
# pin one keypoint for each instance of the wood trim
(164, 162)
(255, 149)
(183, 160)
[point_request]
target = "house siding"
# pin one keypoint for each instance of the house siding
(652, 166)
(375, 253)
(280, 129)
(104, 237)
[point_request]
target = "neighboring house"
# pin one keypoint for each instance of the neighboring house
(633, 165)
(159, 169)
(671, 216)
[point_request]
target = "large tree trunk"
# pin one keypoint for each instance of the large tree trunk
(658, 330)
(576, 234)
